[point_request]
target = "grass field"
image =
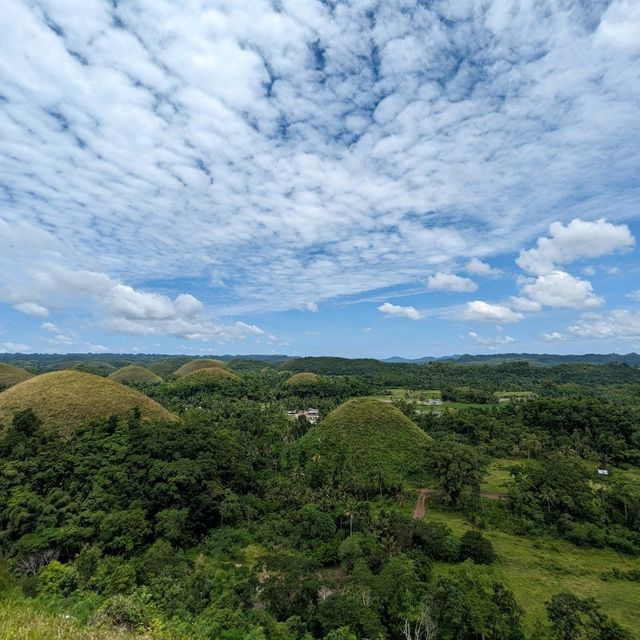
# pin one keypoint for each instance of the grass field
(536, 569)
(498, 474)
(20, 620)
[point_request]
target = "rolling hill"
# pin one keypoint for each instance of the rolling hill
(135, 374)
(365, 445)
(63, 400)
(10, 375)
(196, 365)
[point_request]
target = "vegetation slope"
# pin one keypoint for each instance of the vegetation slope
(65, 399)
(364, 445)
(196, 365)
(135, 374)
(207, 376)
(302, 378)
(10, 375)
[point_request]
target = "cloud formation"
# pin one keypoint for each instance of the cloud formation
(481, 311)
(276, 148)
(450, 282)
(406, 312)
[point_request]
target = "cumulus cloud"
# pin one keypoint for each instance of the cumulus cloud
(571, 242)
(619, 323)
(394, 310)
(491, 342)
(479, 268)
(634, 295)
(554, 336)
(311, 306)
(442, 281)
(560, 289)
(487, 312)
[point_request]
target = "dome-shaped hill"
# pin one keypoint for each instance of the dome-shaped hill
(135, 374)
(208, 377)
(302, 379)
(364, 445)
(10, 375)
(196, 365)
(64, 399)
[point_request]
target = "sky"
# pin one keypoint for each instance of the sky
(320, 177)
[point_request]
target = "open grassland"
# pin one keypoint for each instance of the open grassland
(536, 569)
(498, 474)
(20, 620)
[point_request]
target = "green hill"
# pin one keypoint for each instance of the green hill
(206, 378)
(364, 445)
(135, 374)
(64, 399)
(10, 375)
(302, 378)
(196, 365)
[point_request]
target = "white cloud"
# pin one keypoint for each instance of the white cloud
(450, 282)
(634, 295)
(311, 306)
(560, 289)
(589, 271)
(485, 312)
(524, 304)
(480, 268)
(407, 312)
(32, 309)
(14, 347)
(554, 336)
(619, 323)
(578, 239)
(491, 342)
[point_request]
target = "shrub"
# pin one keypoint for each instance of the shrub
(474, 546)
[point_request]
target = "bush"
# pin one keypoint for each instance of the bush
(474, 546)
(127, 611)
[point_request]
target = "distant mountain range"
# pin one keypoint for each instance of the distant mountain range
(545, 359)
(99, 363)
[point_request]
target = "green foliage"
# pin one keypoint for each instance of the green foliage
(456, 468)
(574, 618)
(469, 604)
(474, 546)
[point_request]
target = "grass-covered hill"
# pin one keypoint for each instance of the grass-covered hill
(135, 374)
(302, 378)
(10, 375)
(363, 445)
(64, 399)
(196, 365)
(207, 378)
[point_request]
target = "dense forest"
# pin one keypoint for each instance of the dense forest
(232, 519)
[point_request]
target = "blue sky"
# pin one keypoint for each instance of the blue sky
(352, 178)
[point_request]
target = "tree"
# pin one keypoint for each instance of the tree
(469, 605)
(457, 468)
(474, 546)
(574, 618)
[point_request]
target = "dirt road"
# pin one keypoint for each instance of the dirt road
(421, 509)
